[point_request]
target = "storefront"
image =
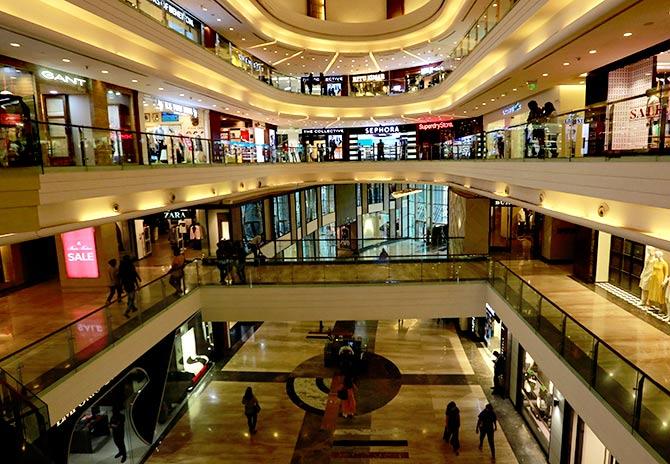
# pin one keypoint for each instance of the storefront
(468, 143)
(417, 78)
(335, 86)
(175, 133)
(157, 234)
(234, 139)
(369, 85)
(512, 229)
(143, 401)
(435, 140)
(172, 16)
(323, 144)
(634, 120)
(250, 64)
(382, 142)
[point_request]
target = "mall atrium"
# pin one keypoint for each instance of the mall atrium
(334, 231)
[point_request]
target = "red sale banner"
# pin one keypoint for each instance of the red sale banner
(81, 261)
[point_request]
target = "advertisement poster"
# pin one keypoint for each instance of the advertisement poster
(81, 260)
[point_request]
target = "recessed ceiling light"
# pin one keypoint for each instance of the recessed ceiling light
(53, 92)
(181, 94)
(161, 88)
(65, 60)
(265, 48)
(214, 105)
(199, 99)
(627, 34)
(243, 39)
(218, 19)
(545, 74)
(583, 74)
(226, 108)
(104, 71)
(581, 82)
(566, 63)
(503, 94)
(204, 9)
(133, 80)
(14, 44)
(231, 28)
(593, 51)
(483, 103)
(514, 89)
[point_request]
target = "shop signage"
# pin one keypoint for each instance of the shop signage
(380, 77)
(334, 79)
(169, 117)
(649, 111)
(323, 131)
(382, 130)
(175, 108)
(245, 59)
(430, 70)
(60, 77)
(175, 11)
(511, 109)
(81, 261)
(573, 119)
(436, 125)
(501, 203)
(177, 214)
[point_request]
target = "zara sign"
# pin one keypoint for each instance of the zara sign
(81, 260)
(64, 78)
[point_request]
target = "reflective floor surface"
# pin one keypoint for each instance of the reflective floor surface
(416, 367)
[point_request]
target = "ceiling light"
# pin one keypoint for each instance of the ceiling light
(265, 48)
(514, 89)
(133, 80)
(181, 94)
(566, 63)
(65, 60)
(218, 19)
(117, 93)
(483, 103)
(243, 39)
(503, 94)
(231, 28)
(593, 51)
(545, 74)
(581, 82)
(104, 71)
(199, 99)
(53, 92)
(493, 99)
(583, 74)
(161, 88)
(226, 108)
(14, 44)
(627, 34)
(204, 9)
(214, 105)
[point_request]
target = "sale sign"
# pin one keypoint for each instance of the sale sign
(81, 260)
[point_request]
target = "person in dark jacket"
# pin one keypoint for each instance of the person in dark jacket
(452, 426)
(130, 281)
(487, 423)
(118, 425)
(251, 409)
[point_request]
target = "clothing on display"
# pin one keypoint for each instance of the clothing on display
(648, 269)
(195, 235)
(657, 280)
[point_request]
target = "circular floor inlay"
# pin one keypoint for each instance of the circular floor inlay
(309, 384)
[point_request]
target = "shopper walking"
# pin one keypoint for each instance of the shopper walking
(348, 396)
(113, 281)
(322, 83)
(310, 83)
(177, 270)
(118, 425)
(499, 368)
(487, 424)
(452, 426)
(251, 409)
(130, 281)
(240, 254)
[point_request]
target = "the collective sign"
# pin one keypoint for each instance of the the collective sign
(81, 260)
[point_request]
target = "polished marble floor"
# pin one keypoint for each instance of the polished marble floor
(406, 426)
(640, 342)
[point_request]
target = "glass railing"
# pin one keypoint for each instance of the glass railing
(362, 87)
(613, 129)
(640, 401)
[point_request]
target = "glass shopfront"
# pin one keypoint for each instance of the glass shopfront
(18, 136)
(281, 215)
(323, 144)
(252, 220)
(369, 85)
(327, 199)
(172, 16)
(382, 142)
(537, 395)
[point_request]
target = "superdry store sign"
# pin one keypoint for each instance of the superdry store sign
(436, 125)
(81, 260)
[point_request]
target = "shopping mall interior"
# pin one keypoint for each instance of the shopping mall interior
(333, 231)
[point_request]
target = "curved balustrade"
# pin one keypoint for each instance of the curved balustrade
(639, 400)
(599, 130)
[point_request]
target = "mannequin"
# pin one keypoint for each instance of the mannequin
(658, 278)
(647, 270)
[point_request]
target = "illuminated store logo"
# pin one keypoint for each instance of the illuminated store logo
(255, 65)
(369, 78)
(174, 11)
(175, 108)
(436, 125)
(64, 78)
(179, 214)
(81, 261)
(511, 109)
(323, 131)
(382, 130)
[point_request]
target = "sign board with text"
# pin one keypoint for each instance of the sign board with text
(79, 251)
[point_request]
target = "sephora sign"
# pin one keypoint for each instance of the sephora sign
(81, 260)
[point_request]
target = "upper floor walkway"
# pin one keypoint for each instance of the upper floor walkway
(611, 350)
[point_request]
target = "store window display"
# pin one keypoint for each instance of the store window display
(19, 140)
(538, 400)
(657, 280)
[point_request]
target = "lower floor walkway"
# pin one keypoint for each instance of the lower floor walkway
(416, 367)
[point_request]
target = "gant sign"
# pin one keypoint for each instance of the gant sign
(64, 78)
(81, 261)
